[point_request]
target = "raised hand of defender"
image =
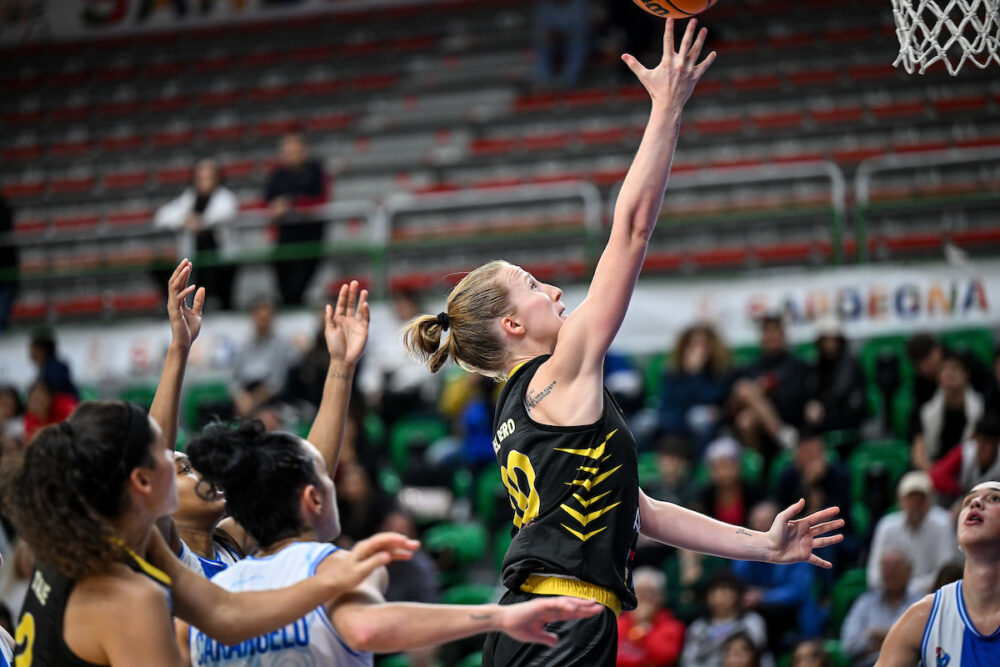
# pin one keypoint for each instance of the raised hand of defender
(349, 568)
(346, 326)
(185, 321)
(673, 79)
(793, 541)
(526, 621)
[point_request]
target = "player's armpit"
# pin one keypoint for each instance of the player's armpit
(901, 647)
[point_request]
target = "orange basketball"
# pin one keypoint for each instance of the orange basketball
(679, 9)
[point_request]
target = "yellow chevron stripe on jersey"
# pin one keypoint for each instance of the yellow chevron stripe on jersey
(587, 503)
(592, 471)
(581, 536)
(593, 452)
(591, 483)
(584, 519)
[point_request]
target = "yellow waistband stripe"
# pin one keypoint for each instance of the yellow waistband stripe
(542, 585)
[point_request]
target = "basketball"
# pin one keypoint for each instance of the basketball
(679, 9)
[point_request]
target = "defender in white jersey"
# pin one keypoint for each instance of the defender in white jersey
(959, 625)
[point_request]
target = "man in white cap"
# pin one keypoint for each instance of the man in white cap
(921, 529)
(959, 625)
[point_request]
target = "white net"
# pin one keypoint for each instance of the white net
(947, 31)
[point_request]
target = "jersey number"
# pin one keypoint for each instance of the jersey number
(523, 496)
(25, 638)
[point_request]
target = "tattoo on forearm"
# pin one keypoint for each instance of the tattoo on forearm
(337, 375)
(480, 617)
(742, 531)
(534, 398)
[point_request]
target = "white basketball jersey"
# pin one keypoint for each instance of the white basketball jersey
(308, 642)
(209, 567)
(951, 640)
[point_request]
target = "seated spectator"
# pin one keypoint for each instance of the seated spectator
(561, 34)
(394, 384)
(971, 462)
(725, 618)
(727, 496)
(673, 463)
(924, 352)
(695, 386)
(811, 653)
(921, 529)
(305, 381)
(769, 398)
(836, 382)
(739, 651)
(45, 407)
(780, 593)
(873, 613)
(811, 475)
(202, 215)
(413, 580)
(362, 506)
(11, 413)
(947, 419)
(53, 371)
(295, 185)
(262, 363)
(649, 636)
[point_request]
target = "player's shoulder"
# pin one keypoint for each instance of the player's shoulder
(902, 645)
(120, 588)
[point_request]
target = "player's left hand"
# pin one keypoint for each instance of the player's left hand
(526, 621)
(185, 322)
(793, 541)
(346, 326)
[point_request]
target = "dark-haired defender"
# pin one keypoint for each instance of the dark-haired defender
(566, 454)
(959, 625)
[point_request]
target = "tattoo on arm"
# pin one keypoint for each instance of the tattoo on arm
(337, 375)
(742, 531)
(534, 398)
(480, 617)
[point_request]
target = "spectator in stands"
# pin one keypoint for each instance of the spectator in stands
(727, 497)
(392, 382)
(873, 613)
(649, 636)
(974, 461)
(725, 618)
(948, 573)
(921, 529)
(202, 214)
(11, 413)
(295, 185)
(924, 352)
(780, 593)
(262, 363)
(45, 406)
(413, 580)
(811, 653)
(740, 651)
(813, 476)
(561, 34)
(836, 383)
(673, 465)
(947, 419)
(54, 371)
(304, 384)
(696, 385)
(361, 505)
(10, 263)
(769, 398)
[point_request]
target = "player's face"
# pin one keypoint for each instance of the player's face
(199, 501)
(327, 522)
(979, 520)
(537, 305)
(164, 487)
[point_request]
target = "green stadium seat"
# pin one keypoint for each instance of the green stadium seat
(412, 432)
(978, 342)
(471, 660)
(648, 472)
(490, 493)
(500, 545)
(744, 355)
(202, 401)
(652, 376)
(88, 392)
(459, 543)
(752, 464)
(141, 394)
(397, 660)
(806, 351)
(468, 594)
(837, 655)
(893, 454)
(849, 587)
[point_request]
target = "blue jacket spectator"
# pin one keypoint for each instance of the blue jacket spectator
(695, 386)
(51, 370)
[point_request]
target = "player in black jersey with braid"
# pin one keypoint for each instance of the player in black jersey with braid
(564, 449)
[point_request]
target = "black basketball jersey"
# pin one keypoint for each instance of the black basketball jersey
(574, 491)
(39, 635)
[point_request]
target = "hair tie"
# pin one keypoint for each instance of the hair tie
(66, 429)
(442, 320)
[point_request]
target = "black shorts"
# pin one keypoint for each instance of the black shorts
(583, 642)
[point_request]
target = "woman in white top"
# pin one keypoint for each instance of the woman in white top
(203, 213)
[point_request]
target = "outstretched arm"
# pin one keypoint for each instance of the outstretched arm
(788, 541)
(346, 332)
(588, 332)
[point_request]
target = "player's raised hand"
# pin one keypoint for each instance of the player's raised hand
(346, 325)
(793, 540)
(526, 621)
(185, 321)
(673, 79)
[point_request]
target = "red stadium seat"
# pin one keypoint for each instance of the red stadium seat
(128, 142)
(844, 114)
(755, 82)
(119, 108)
(545, 141)
(136, 302)
(898, 109)
(29, 117)
(777, 120)
(610, 135)
(75, 222)
(69, 114)
(814, 77)
(72, 184)
(23, 190)
(22, 153)
(329, 122)
(960, 104)
(493, 145)
(125, 180)
(719, 125)
(168, 104)
(129, 218)
(29, 311)
(173, 175)
(172, 137)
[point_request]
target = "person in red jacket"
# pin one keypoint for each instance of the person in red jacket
(971, 462)
(45, 407)
(650, 636)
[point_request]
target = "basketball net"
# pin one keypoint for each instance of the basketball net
(950, 31)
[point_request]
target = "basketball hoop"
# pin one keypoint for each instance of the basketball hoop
(950, 31)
